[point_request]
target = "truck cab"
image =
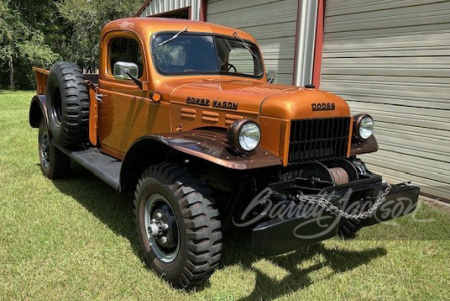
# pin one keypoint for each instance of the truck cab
(184, 113)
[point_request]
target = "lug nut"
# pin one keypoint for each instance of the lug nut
(163, 239)
(158, 215)
(153, 220)
(165, 226)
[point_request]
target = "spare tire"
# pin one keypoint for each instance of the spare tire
(67, 104)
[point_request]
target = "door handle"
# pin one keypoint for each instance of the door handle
(99, 97)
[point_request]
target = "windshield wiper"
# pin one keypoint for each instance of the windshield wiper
(244, 43)
(173, 37)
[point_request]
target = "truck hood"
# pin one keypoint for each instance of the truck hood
(263, 99)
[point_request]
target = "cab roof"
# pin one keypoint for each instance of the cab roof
(146, 26)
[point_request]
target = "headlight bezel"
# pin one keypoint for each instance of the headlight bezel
(234, 134)
(357, 123)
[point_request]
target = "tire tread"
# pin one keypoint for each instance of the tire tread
(75, 104)
(200, 216)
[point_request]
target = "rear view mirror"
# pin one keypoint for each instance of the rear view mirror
(271, 76)
(123, 70)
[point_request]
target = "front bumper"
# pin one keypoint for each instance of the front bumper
(313, 224)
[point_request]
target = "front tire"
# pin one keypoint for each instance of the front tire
(178, 225)
(54, 163)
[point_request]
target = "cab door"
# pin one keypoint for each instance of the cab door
(123, 106)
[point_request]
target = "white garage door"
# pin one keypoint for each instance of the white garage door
(272, 23)
(392, 59)
(159, 7)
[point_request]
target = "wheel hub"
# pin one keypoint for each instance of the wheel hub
(45, 154)
(161, 227)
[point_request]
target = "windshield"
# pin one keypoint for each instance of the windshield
(206, 54)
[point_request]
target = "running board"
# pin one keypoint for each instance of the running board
(103, 166)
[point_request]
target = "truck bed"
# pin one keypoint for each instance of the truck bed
(101, 165)
(92, 83)
(42, 74)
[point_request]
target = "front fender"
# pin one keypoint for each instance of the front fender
(212, 146)
(368, 146)
(208, 145)
(38, 109)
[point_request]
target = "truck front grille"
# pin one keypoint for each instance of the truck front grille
(318, 139)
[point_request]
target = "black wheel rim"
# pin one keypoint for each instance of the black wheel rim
(45, 149)
(161, 227)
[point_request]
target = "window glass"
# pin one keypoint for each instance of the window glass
(126, 50)
(240, 60)
(172, 55)
(185, 54)
(238, 57)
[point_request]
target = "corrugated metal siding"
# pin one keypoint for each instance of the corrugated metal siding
(392, 60)
(162, 6)
(272, 23)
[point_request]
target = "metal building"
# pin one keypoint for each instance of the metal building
(286, 41)
(390, 58)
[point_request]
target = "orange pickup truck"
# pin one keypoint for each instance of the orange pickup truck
(184, 113)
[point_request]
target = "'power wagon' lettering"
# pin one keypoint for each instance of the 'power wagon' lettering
(225, 104)
(215, 103)
(198, 101)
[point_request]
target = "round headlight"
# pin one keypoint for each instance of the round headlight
(244, 135)
(363, 126)
(249, 136)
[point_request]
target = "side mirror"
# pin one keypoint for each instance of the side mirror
(123, 70)
(271, 76)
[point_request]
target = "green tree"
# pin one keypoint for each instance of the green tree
(43, 16)
(21, 44)
(86, 19)
(40, 32)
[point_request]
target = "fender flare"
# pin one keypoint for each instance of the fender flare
(368, 146)
(38, 109)
(208, 145)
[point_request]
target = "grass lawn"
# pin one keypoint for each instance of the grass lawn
(75, 239)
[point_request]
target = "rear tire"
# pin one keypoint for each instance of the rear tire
(67, 104)
(191, 250)
(54, 163)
